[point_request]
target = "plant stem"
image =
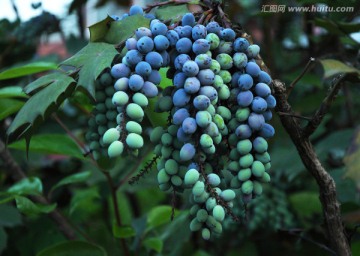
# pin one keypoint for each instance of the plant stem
(17, 174)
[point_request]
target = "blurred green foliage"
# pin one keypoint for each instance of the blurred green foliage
(286, 220)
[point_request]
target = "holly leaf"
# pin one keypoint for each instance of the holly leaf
(28, 69)
(121, 30)
(99, 30)
(172, 12)
(40, 106)
(57, 77)
(91, 60)
(334, 67)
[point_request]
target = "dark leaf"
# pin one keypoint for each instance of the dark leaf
(91, 60)
(40, 106)
(121, 30)
(123, 231)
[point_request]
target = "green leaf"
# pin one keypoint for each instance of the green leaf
(57, 78)
(91, 60)
(9, 216)
(40, 106)
(73, 248)
(12, 92)
(9, 107)
(165, 82)
(121, 30)
(154, 243)
(100, 29)
(3, 239)
(27, 186)
(58, 144)
(84, 200)
(159, 215)
(158, 119)
(306, 204)
(172, 12)
(334, 67)
(74, 178)
(28, 69)
(123, 231)
(27, 207)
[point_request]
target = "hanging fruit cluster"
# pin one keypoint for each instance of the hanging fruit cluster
(219, 107)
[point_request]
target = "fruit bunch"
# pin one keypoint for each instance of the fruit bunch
(219, 105)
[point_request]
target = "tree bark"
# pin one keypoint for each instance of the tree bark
(327, 189)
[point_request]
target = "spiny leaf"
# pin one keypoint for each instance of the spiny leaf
(57, 77)
(173, 12)
(91, 60)
(100, 29)
(40, 106)
(123, 29)
(12, 92)
(28, 69)
(59, 144)
(334, 67)
(9, 107)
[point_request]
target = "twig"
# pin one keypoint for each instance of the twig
(307, 67)
(116, 208)
(327, 189)
(149, 7)
(223, 17)
(213, 193)
(173, 203)
(294, 115)
(322, 246)
(324, 107)
(81, 144)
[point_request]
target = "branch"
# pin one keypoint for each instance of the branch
(327, 190)
(17, 174)
(307, 67)
(324, 107)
